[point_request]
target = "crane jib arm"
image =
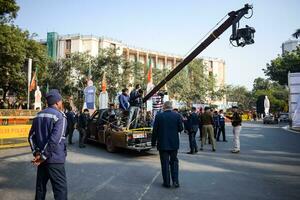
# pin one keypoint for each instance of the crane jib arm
(234, 17)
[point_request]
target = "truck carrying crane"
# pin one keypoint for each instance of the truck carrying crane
(109, 126)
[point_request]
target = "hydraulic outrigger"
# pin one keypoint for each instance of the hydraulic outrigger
(242, 37)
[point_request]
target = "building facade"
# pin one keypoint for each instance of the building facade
(289, 45)
(65, 45)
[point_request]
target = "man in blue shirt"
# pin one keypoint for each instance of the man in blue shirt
(166, 129)
(123, 100)
(47, 142)
(221, 126)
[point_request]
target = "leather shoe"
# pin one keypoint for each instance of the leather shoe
(190, 152)
(176, 185)
(166, 185)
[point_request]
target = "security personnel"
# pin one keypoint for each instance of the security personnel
(193, 126)
(166, 129)
(71, 119)
(207, 128)
(236, 121)
(47, 141)
(221, 121)
(83, 126)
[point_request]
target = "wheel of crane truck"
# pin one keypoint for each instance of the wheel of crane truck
(109, 145)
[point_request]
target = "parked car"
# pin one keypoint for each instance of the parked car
(284, 117)
(270, 119)
(105, 127)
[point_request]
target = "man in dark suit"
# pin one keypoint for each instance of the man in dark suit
(193, 126)
(167, 126)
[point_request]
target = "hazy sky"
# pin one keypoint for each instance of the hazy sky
(172, 26)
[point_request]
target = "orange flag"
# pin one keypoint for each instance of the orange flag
(150, 72)
(33, 82)
(103, 83)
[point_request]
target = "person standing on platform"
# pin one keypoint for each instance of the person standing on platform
(165, 135)
(124, 100)
(47, 142)
(207, 128)
(135, 100)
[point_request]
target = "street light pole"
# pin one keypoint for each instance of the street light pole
(29, 79)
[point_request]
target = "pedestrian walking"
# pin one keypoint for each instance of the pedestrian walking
(71, 119)
(47, 142)
(167, 126)
(237, 126)
(207, 128)
(192, 128)
(221, 121)
(83, 126)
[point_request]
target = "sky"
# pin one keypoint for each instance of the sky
(172, 26)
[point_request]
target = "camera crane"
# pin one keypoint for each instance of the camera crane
(239, 38)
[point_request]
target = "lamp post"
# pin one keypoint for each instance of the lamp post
(29, 79)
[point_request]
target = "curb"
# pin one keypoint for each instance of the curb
(287, 128)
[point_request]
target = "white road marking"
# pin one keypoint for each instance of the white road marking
(148, 186)
(92, 192)
(289, 129)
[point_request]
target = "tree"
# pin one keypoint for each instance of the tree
(139, 74)
(279, 68)
(261, 84)
(127, 73)
(241, 95)
(110, 62)
(193, 85)
(296, 34)
(16, 46)
(8, 11)
(277, 94)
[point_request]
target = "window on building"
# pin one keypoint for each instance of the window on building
(68, 44)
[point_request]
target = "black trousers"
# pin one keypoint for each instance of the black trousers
(70, 131)
(192, 140)
(216, 131)
(57, 175)
(169, 163)
(82, 136)
(200, 131)
(221, 129)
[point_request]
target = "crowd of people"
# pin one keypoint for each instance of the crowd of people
(169, 123)
(211, 125)
(52, 126)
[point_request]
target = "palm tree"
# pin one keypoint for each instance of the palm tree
(296, 34)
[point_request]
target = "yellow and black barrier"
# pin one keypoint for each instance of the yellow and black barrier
(14, 127)
(14, 135)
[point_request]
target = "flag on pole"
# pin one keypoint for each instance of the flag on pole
(149, 77)
(33, 82)
(149, 105)
(103, 97)
(103, 84)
